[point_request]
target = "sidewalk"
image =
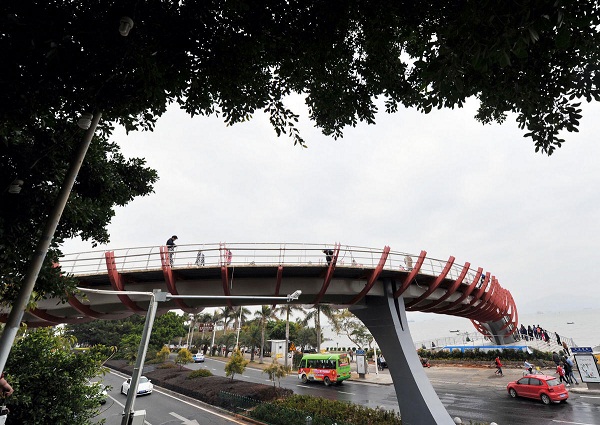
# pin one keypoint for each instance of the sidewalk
(460, 374)
(456, 374)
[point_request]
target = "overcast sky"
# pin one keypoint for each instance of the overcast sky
(441, 182)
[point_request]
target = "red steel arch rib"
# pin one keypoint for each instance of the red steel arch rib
(464, 295)
(374, 275)
(433, 286)
(117, 283)
(514, 318)
(411, 275)
(328, 275)
(225, 282)
(482, 309)
(86, 310)
(476, 297)
(170, 280)
(450, 290)
(278, 282)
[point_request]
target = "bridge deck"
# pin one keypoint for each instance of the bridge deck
(343, 276)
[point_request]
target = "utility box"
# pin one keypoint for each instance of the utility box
(277, 348)
(138, 417)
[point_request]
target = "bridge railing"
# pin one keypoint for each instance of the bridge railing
(252, 254)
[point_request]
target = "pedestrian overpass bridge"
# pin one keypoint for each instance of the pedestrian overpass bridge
(377, 285)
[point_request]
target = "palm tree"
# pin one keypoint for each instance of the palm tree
(227, 314)
(315, 314)
(196, 319)
(241, 314)
(286, 310)
(264, 314)
(251, 336)
(216, 316)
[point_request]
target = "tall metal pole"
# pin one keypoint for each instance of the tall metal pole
(213, 338)
(239, 327)
(287, 336)
(18, 308)
(141, 355)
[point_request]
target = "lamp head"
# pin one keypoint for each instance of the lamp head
(295, 295)
(16, 186)
(125, 26)
(85, 121)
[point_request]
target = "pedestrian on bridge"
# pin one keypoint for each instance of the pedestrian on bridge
(171, 246)
(328, 255)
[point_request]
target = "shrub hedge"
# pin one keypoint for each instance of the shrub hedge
(200, 373)
(295, 408)
(477, 354)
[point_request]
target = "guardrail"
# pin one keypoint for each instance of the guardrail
(253, 254)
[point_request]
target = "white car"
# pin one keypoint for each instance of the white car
(103, 392)
(144, 387)
(198, 358)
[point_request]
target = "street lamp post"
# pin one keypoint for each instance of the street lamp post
(239, 327)
(18, 308)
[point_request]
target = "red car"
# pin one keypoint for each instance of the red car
(541, 387)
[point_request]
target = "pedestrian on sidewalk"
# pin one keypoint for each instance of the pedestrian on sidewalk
(564, 344)
(528, 367)
(498, 366)
(569, 371)
(555, 358)
(561, 375)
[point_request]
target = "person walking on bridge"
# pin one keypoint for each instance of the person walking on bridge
(171, 246)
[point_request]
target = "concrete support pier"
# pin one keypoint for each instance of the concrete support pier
(385, 317)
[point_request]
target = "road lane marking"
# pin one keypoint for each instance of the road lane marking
(123, 406)
(589, 396)
(201, 408)
(182, 401)
(303, 386)
(573, 423)
(184, 421)
(344, 392)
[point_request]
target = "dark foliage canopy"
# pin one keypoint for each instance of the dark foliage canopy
(532, 57)
(537, 59)
(110, 332)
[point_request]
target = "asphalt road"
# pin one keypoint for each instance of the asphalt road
(483, 399)
(162, 407)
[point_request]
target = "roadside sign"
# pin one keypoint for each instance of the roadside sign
(586, 363)
(581, 350)
(205, 327)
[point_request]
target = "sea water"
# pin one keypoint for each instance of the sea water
(582, 326)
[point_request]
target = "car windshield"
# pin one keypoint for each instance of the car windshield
(553, 382)
(143, 380)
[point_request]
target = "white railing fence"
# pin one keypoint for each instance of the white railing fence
(253, 254)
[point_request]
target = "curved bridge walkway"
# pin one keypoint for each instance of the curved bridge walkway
(377, 285)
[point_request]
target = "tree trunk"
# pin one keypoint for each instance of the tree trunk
(318, 328)
(262, 341)
(287, 336)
